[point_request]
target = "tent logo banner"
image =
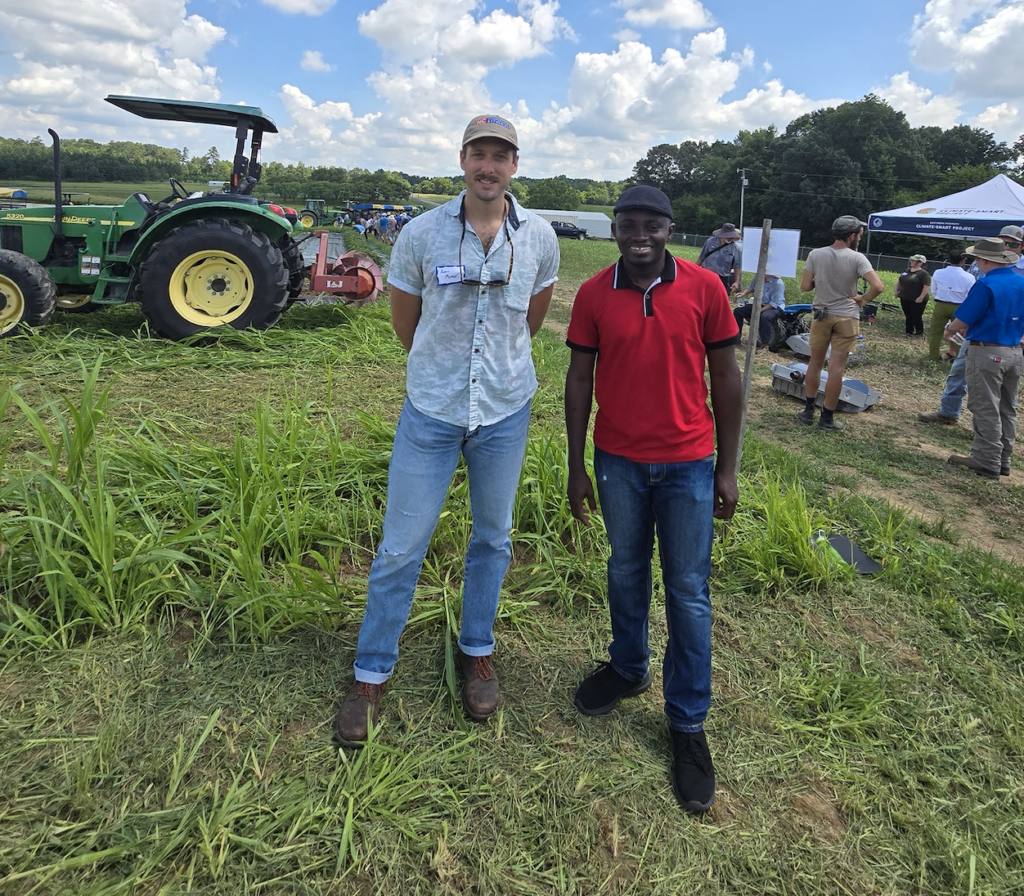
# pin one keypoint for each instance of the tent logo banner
(925, 211)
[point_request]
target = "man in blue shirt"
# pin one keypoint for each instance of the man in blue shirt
(470, 282)
(992, 318)
(773, 301)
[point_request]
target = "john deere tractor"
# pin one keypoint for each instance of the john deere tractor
(193, 262)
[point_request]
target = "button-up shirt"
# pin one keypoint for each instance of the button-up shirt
(470, 363)
(951, 284)
(774, 292)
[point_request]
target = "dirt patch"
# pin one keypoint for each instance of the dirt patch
(815, 814)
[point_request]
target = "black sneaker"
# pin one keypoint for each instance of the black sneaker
(806, 416)
(693, 778)
(600, 692)
(831, 425)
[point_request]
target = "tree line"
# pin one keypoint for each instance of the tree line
(856, 158)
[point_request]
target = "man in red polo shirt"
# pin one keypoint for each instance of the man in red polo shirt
(648, 324)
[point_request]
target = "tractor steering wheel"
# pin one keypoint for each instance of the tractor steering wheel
(177, 190)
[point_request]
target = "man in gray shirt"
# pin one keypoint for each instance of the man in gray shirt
(832, 272)
(721, 255)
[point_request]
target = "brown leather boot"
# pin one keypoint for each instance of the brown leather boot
(480, 693)
(358, 712)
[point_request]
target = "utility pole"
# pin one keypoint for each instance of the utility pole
(742, 172)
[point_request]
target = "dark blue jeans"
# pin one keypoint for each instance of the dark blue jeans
(764, 324)
(677, 500)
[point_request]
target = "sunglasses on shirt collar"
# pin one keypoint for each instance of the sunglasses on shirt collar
(511, 261)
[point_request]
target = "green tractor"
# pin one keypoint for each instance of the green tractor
(313, 214)
(193, 262)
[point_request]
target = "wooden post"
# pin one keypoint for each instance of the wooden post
(755, 320)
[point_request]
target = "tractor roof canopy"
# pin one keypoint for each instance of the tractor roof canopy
(197, 113)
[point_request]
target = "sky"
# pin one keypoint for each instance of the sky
(591, 85)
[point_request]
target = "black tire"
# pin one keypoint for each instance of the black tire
(296, 265)
(28, 294)
(308, 218)
(212, 273)
(780, 333)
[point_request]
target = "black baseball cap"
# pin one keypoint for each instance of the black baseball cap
(644, 198)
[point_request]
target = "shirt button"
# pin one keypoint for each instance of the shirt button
(473, 380)
(480, 321)
(476, 351)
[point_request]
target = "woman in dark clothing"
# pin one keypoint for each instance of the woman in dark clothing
(912, 291)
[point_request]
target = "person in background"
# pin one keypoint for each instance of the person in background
(833, 272)
(952, 401)
(992, 318)
(721, 255)
(1013, 237)
(649, 325)
(912, 291)
(773, 302)
(950, 286)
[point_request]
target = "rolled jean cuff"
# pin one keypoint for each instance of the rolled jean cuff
(477, 651)
(688, 729)
(371, 677)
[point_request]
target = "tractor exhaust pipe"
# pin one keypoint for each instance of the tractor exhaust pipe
(58, 189)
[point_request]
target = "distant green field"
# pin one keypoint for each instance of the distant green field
(98, 193)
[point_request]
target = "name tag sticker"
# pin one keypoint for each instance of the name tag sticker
(449, 273)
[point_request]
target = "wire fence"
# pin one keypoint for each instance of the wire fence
(894, 263)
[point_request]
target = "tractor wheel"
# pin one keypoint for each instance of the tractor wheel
(77, 303)
(296, 265)
(27, 293)
(212, 273)
(308, 218)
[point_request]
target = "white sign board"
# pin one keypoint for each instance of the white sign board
(783, 250)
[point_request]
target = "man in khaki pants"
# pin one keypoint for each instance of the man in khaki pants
(832, 272)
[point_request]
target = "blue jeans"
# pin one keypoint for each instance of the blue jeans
(678, 500)
(952, 401)
(764, 325)
(423, 461)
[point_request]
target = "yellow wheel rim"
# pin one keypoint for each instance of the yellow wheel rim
(307, 220)
(211, 288)
(76, 300)
(12, 304)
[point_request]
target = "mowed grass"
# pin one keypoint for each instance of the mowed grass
(185, 532)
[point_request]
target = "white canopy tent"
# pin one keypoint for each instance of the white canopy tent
(971, 214)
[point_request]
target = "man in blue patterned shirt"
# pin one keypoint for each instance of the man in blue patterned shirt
(470, 282)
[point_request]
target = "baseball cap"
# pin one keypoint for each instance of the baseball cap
(1012, 232)
(848, 224)
(644, 198)
(490, 126)
(919, 258)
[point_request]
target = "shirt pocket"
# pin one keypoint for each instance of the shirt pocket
(516, 299)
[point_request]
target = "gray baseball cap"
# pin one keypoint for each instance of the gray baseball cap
(848, 224)
(1012, 232)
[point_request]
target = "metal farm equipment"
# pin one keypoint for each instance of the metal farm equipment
(193, 262)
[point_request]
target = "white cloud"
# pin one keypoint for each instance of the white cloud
(438, 53)
(70, 55)
(625, 35)
(966, 38)
(689, 14)
(301, 7)
(313, 61)
(922, 107)
(1005, 120)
